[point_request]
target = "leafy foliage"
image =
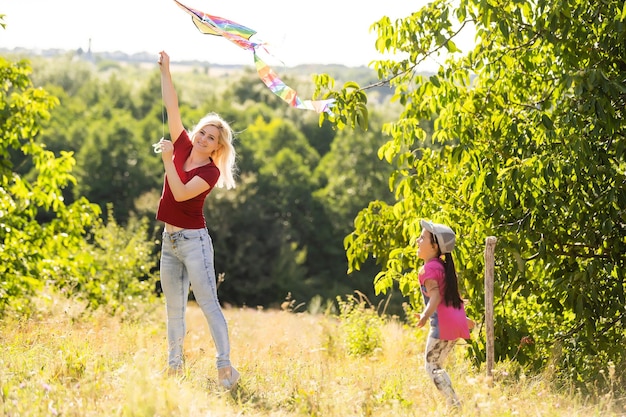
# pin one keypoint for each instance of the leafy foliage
(528, 145)
(44, 239)
(27, 246)
(274, 215)
(361, 326)
(113, 271)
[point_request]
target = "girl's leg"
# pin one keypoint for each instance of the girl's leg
(436, 352)
(199, 262)
(175, 285)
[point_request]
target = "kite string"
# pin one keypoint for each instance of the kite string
(162, 114)
(157, 146)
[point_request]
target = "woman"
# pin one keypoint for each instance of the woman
(194, 163)
(444, 306)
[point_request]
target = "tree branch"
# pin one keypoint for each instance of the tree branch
(426, 56)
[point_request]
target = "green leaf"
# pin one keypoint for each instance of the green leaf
(547, 122)
(504, 28)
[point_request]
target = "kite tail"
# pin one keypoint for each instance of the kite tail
(288, 94)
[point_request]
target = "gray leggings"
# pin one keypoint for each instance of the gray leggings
(436, 352)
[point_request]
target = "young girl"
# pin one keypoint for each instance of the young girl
(444, 306)
(194, 163)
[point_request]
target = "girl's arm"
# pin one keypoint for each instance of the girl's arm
(432, 289)
(170, 98)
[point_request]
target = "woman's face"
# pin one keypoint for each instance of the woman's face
(425, 248)
(207, 139)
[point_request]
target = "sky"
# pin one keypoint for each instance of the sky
(297, 31)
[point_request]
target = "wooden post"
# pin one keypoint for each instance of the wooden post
(490, 244)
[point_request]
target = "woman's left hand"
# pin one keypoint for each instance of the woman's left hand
(167, 149)
(164, 60)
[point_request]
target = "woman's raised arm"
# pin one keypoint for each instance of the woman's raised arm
(170, 98)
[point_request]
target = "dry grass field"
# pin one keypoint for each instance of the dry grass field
(62, 362)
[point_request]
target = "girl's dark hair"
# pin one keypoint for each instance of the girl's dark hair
(451, 296)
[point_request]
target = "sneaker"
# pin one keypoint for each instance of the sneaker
(230, 383)
(174, 372)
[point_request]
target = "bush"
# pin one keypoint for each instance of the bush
(361, 326)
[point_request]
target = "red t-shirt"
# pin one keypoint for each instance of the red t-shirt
(187, 214)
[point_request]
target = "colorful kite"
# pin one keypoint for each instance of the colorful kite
(240, 35)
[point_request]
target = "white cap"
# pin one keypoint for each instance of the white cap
(444, 235)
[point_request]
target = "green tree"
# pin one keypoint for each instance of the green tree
(109, 168)
(249, 88)
(29, 249)
(101, 121)
(351, 175)
(46, 241)
(527, 145)
(67, 73)
(275, 217)
(260, 263)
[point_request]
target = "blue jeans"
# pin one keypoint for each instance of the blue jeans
(187, 258)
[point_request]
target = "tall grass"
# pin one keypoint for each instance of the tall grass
(64, 362)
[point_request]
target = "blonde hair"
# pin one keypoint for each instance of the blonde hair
(225, 156)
